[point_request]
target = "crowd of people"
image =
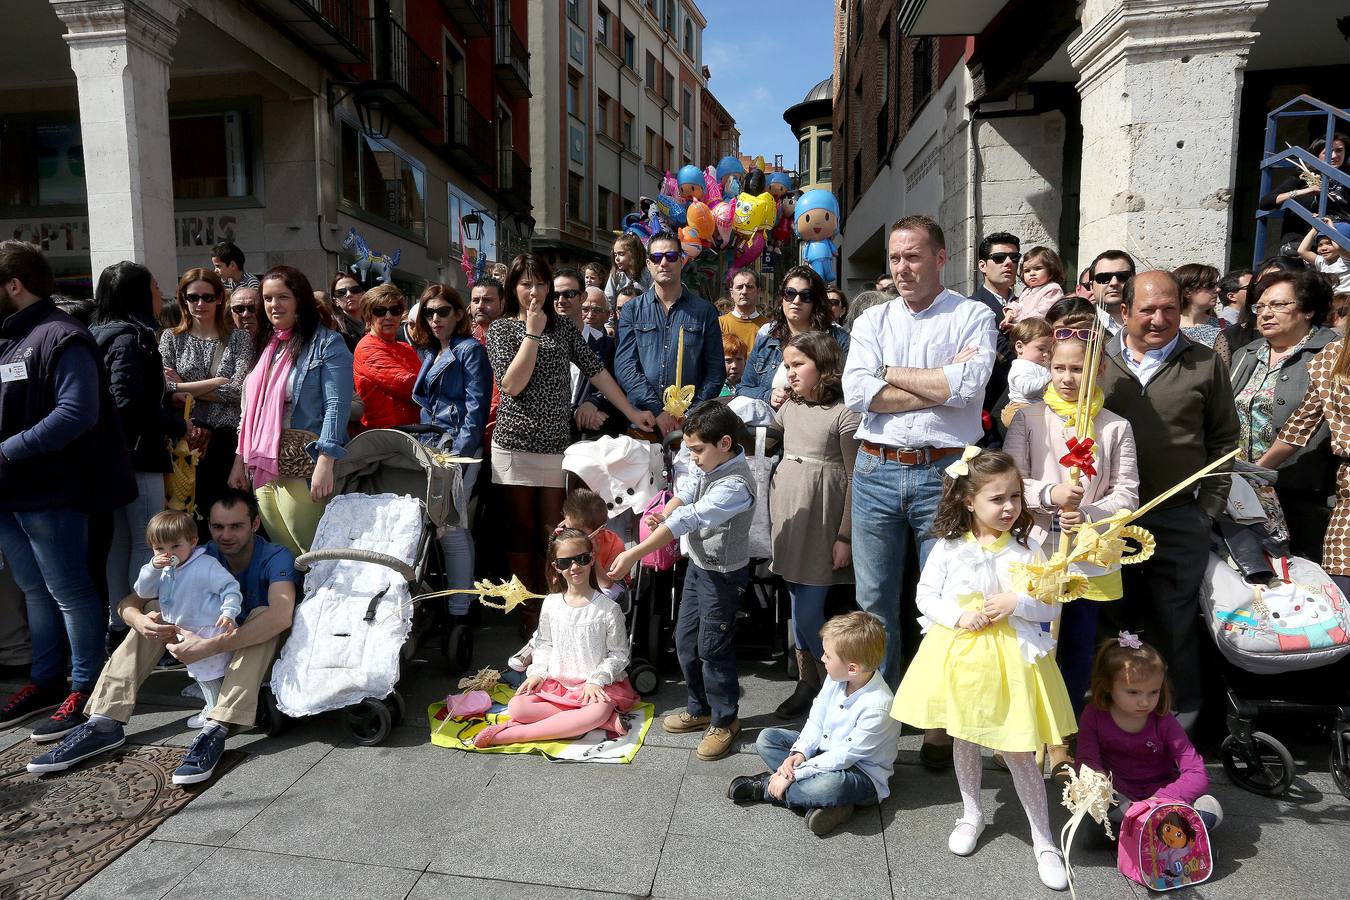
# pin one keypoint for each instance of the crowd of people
(924, 439)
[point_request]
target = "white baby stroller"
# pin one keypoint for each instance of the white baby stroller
(369, 556)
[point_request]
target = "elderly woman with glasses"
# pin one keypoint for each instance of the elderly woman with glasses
(1270, 381)
(802, 306)
(384, 367)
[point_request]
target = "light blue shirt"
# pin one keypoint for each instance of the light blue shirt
(1146, 368)
(722, 501)
(854, 730)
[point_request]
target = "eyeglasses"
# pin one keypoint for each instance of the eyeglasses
(669, 256)
(999, 258)
(380, 312)
(1108, 277)
(1279, 306)
(568, 294)
(200, 298)
(1068, 334)
(792, 295)
(563, 563)
(351, 291)
(594, 310)
(244, 309)
(439, 312)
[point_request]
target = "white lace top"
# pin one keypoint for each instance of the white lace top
(580, 643)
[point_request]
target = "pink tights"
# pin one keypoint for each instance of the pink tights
(535, 719)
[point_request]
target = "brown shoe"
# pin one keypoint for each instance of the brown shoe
(683, 722)
(1062, 764)
(717, 742)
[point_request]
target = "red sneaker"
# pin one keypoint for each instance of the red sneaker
(68, 716)
(29, 701)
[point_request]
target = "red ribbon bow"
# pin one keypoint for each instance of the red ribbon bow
(1079, 456)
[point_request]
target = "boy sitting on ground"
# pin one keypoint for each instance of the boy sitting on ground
(844, 756)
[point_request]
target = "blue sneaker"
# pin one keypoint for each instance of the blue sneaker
(201, 757)
(85, 741)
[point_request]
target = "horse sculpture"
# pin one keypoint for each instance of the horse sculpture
(368, 260)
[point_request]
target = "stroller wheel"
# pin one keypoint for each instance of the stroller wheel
(644, 678)
(270, 719)
(397, 707)
(1264, 767)
(1340, 761)
(458, 648)
(367, 723)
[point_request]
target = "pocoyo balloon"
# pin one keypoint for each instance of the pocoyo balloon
(728, 170)
(817, 214)
(780, 184)
(690, 180)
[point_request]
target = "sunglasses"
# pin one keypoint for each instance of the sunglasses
(1067, 334)
(1108, 277)
(1000, 258)
(200, 298)
(792, 294)
(245, 309)
(563, 563)
(439, 312)
(348, 292)
(380, 312)
(669, 256)
(568, 294)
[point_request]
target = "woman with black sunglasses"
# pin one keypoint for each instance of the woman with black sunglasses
(384, 367)
(802, 306)
(345, 294)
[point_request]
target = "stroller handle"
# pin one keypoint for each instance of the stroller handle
(355, 554)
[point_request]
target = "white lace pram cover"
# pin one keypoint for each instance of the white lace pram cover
(333, 657)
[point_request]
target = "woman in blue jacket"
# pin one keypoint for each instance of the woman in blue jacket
(454, 389)
(802, 306)
(297, 400)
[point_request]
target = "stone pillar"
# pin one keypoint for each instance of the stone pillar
(1161, 82)
(119, 52)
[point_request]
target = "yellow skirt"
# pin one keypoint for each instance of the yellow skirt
(978, 687)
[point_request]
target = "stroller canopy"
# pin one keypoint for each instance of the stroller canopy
(384, 461)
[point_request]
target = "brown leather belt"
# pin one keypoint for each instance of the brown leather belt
(918, 456)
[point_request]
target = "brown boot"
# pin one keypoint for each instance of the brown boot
(808, 685)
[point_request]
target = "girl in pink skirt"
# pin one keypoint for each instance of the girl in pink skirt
(577, 680)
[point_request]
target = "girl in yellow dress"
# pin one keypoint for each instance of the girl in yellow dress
(985, 671)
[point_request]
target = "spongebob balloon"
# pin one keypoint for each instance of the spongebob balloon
(817, 214)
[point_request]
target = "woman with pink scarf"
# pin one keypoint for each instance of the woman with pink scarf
(297, 400)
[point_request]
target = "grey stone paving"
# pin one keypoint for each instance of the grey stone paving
(310, 815)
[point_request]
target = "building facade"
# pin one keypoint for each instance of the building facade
(620, 92)
(812, 123)
(151, 129)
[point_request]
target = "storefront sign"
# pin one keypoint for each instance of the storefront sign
(64, 237)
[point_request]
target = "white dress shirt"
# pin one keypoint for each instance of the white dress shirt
(894, 335)
(855, 730)
(1146, 368)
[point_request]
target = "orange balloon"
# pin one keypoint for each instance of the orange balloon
(700, 216)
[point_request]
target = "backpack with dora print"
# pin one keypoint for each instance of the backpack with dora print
(1164, 845)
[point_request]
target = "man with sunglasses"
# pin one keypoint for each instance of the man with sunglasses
(645, 360)
(590, 410)
(1111, 271)
(1177, 398)
(245, 302)
(1000, 254)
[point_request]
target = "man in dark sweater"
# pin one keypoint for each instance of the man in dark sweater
(1177, 398)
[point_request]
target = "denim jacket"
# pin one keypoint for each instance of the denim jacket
(648, 343)
(321, 392)
(454, 390)
(766, 357)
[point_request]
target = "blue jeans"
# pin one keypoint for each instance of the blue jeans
(47, 551)
(457, 548)
(129, 552)
(847, 787)
(705, 642)
(808, 615)
(893, 505)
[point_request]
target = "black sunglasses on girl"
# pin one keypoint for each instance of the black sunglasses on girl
(200, 298)
(1066, 334)
(352, 291)
(440, 312)
(790, 294)
(563, 563)
(380, 312)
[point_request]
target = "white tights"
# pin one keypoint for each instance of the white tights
(1026, 779)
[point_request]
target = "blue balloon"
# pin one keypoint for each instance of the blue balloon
(729, 165)
(690, 175)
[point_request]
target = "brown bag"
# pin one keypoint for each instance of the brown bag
(292, 459)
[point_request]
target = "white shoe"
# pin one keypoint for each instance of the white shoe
(964, 837)
(1209, 804)
(1050, 866)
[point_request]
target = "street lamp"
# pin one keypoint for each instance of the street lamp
(472, 223)
(525, 226)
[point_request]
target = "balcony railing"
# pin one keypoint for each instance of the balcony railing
(403, 76)
(511, 61)
(471, 15)
(472, 139)
(513, 180)
(332, 29)
(1296, 160)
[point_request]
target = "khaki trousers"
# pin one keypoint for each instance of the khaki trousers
(134, 660)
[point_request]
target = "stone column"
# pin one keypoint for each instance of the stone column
(1161, 82)
(119, 52)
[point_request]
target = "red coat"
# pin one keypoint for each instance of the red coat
(384, 372)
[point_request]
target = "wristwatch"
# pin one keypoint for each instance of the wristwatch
(172, 386)
(881, 372)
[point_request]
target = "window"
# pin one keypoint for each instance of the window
(602, 25)
(824, 158)
(379, 180)
(670, 16)
(804, 160)
(574, 11)
(603, 122)
(668, 86)
(627, 136)
(576, 197)
(667, 161)
(651, 7)
(209, 156)
(652, 158)
(687, 113)
(454, 87)
(604, 200)
(461, 205)
(651, 70)
(922, 84)
(689, 38)
(629, 50)
(575, 104)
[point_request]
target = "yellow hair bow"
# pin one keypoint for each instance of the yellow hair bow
(962, 465)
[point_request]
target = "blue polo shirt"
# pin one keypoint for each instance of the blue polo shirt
(270, 564)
